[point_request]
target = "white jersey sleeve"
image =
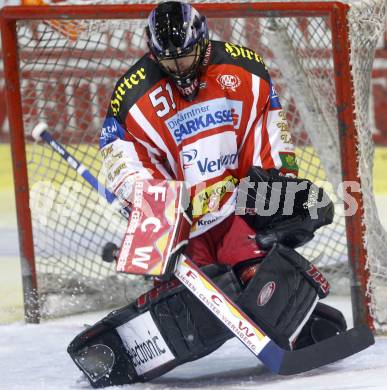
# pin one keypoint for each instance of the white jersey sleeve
(126, 160)
(269, 145)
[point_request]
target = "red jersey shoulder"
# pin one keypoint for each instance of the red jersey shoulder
(232, 54)
(135, 83)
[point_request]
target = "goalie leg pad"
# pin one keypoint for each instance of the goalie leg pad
(163, 329)
(324, 322)
(281, 295)
(98, 351)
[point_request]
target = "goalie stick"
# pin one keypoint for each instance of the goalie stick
(40, 132)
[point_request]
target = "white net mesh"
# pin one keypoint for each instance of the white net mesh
(68, 70)
(367, 23)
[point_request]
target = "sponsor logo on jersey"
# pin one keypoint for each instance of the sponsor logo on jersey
(186, 91)
(208, 199)
(189, 157)
(125, 86)
(208, 165)
(209, 157)
(110, 155)
(274, 99)
(204, 116)
(116, 172)
(237, 51)
(203, 222)
(228, 81)
(207, 54)
(289, 162)
(283, 126)
(266, 293)
(111, 130)
(144, 344)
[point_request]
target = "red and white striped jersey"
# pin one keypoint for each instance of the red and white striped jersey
(234, 122)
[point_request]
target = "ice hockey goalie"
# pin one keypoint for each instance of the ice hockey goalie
(206, 113)
(278, 289)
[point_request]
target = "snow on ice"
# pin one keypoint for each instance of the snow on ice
(35, 357)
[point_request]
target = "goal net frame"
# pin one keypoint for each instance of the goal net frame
(337, 14)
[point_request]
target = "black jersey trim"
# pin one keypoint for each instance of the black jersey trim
(138, 80)
(230, 53)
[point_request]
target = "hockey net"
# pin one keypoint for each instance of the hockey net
(68, 67)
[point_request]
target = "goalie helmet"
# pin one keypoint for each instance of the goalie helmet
(178, 39)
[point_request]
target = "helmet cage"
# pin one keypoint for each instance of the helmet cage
(176, 30)
(183, 76)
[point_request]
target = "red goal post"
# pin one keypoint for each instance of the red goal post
(28, 102)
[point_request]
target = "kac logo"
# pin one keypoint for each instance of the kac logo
(228, 81)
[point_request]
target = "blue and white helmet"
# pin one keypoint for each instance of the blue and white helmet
(176, 31)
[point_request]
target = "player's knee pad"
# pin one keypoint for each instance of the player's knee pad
(164, 328)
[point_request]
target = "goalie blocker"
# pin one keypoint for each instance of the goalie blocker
(168, 326)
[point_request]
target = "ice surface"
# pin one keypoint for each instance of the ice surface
(35, 357)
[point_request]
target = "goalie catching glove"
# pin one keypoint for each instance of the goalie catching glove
(168, 326)
(283, 209)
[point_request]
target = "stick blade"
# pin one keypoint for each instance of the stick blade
(327, 351)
